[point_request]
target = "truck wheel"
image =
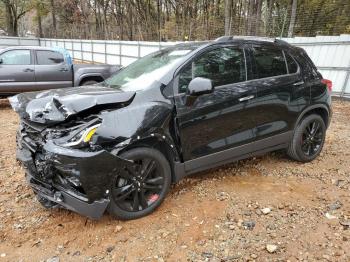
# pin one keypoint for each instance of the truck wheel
(140, 191)
(308, 139)
(89, 83)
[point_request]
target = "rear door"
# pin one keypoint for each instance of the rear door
(51, 70)
(280, 91)
(222, 119)
(16, 71)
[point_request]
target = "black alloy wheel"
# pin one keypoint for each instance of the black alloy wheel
(308, 139)
(140, 189)
(312, 138)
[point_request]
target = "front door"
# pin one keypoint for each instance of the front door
(16, 71)
(221, 120)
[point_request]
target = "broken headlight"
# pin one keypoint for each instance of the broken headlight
(81, 139)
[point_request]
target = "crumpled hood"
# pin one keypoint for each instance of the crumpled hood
(54, 106)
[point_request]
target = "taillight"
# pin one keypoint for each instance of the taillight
(328, 83)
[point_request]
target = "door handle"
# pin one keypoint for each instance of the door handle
(298, 83)
(246, 98)
(27, 70)
(63, 69)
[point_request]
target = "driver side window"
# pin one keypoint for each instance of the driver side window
(225, 65)
(16, 57)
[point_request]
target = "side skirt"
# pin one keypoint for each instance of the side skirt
(231, 155)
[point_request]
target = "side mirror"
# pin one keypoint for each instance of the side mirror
(200, 86)
(1, 61)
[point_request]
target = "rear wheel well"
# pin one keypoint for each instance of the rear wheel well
(159, 145)
(319, 111)
(91, 78)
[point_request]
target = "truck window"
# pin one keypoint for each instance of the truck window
(15, 57)
(49, 57)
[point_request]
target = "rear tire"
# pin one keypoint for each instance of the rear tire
(141, 191)
(308, 139)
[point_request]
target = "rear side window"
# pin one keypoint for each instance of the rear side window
(225, 65)
(292, 65)
(268, 62)
(15, 57)
(49, 57)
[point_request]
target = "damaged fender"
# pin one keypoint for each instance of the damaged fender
(134, 124)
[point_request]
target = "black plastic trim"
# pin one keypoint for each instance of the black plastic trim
(312, 107)
(255, 148)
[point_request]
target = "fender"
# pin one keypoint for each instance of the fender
(310, 108)
(137, 124)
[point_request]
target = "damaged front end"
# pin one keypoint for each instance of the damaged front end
(62, 165)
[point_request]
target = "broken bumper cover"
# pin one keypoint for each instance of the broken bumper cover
(94, 172)
(69, 200)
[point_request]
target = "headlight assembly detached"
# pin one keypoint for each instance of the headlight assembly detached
(82, 138)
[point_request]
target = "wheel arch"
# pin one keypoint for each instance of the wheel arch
(97, 78)
(159, 143)
(319, 109)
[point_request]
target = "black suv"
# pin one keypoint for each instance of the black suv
(119, 145)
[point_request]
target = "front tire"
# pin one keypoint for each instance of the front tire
(308, 139)
(143, 189)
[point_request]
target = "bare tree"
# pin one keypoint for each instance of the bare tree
(15, 9)
(228, 16)
(292, 18)
(53, 14)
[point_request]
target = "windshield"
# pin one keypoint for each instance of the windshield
(143, 72)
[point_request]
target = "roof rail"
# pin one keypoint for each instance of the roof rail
(281, 42)
(257, 38)
(224, 39)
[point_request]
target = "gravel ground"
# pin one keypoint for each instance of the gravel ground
(261, 209)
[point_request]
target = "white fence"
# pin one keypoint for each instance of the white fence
(331, 54)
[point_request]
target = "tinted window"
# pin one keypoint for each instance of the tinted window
(292, 65)
(16, 57)
(269, 62)
(49, 57)
(223, 66)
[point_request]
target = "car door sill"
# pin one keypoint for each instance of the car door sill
(255, 148)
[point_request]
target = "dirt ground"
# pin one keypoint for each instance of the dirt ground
(262, 209)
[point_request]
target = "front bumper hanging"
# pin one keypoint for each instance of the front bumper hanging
(93, 170)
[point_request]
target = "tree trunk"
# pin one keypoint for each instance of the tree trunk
(258, 17)
(159, 20)
(40, 28)
(292, 18)
(251, 19)
(269, 18)
(228, 8)
(11, 22)
(53, 15)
